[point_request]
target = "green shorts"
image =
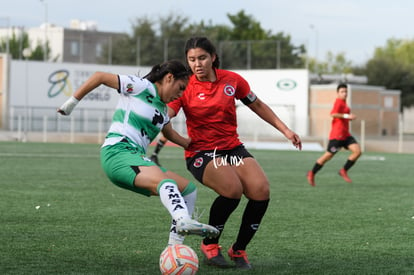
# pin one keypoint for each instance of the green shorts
(121, 163)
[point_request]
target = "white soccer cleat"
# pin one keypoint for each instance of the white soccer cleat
(187, 226)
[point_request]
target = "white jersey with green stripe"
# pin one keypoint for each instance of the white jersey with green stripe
(140, 114)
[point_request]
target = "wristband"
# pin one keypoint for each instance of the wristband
(346, 115)
(68, 106)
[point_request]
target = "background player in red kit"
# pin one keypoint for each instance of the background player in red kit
(339, 137)
(216, 157)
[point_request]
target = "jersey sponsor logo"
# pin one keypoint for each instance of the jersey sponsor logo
(251, 96)
(150, 98)
(173, 227)
(229, 90)
(157, 118)
(201, 96)
(129, 88)
(174, 197)
(198, 162)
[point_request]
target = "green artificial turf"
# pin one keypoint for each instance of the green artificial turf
(59, 214)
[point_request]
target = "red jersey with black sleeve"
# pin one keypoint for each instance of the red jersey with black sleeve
(210, 111)
(340, 126)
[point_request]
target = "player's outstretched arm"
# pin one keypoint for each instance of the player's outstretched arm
(98, 78)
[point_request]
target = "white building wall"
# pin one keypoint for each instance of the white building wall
(48, 85)
(408, 120)
(54, 36)
(286, 92)
(38, 88)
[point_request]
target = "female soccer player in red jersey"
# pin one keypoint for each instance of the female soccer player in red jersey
(216, 157)
(339, 137)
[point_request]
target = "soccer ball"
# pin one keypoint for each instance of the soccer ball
(178, 259)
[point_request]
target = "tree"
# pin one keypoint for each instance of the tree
(38, 52)
(253, 47)
(333, 64)
(134, 49)
(291, 56)
(17, 43)
(174, 32)
(244, 45)
(245, 27)
(393, 68)
(215, 33)
(147, 46)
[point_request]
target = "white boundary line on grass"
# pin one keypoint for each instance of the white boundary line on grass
(375, 158)
(57, 155)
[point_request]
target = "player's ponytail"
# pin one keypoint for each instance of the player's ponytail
(175, 67)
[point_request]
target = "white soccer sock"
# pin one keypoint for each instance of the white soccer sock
(174, 237)
(172, 200)
(190, 199)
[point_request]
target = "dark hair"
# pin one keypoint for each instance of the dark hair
(341, 85)
(205, 44)
(175, 67)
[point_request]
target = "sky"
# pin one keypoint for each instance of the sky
(352, 27)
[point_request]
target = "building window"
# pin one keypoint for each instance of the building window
(74, 48)
(98, 50)
(388, 102)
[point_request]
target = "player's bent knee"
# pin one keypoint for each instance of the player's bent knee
(234, 192)
(258, 191)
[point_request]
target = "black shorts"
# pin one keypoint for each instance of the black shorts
(335, 145)
(232, 157)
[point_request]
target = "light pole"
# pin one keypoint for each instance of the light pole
(26, 54)
(316, 40)
(46, 23)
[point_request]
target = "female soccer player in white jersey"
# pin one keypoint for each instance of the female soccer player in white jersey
(140, 115)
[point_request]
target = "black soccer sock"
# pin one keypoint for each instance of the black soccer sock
(252, 216)
(348, 164)
(158, 147)
(220, 211)
(316, 168)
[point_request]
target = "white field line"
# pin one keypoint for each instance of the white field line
(50, 155)
(374, 158)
